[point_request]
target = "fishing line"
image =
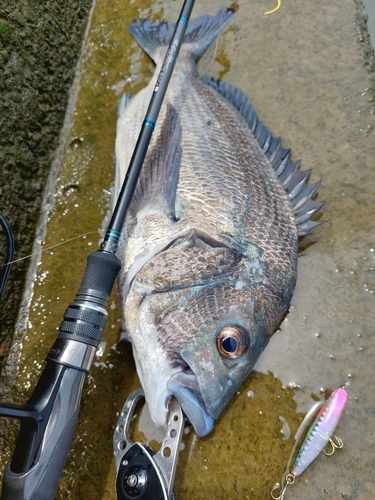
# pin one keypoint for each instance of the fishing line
(50, 248)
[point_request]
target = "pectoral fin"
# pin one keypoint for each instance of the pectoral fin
(157, 184)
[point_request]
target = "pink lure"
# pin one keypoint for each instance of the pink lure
(317, 438)
(320, 431)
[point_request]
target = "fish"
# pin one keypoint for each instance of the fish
(210, 241)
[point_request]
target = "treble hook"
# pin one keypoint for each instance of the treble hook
(290, 478)
(334, 445)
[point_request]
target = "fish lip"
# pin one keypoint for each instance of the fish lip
(184, 387)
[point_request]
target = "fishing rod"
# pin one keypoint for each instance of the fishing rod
(49, 417)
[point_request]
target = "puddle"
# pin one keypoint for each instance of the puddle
(370, 11)
(310, 84)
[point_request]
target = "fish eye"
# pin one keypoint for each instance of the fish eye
(232, 341)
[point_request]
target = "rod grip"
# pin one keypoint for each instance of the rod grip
(85, 318)
(100, 274)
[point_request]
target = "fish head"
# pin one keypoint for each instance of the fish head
(218, 356)
(200, 332)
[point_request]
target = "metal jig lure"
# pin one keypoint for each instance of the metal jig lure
(316, 440)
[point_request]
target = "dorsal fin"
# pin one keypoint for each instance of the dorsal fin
(157, 183)
(291, 178)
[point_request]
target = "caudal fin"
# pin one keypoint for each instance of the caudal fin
(201, 32)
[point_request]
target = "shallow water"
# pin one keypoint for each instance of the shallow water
(306, 71)
(370, 12)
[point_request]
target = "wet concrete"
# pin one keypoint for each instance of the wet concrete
(308, 70)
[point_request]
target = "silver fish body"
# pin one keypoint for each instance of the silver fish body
(209, 248)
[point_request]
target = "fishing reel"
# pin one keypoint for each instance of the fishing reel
(143, 474)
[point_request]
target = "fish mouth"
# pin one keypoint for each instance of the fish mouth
(184, 387)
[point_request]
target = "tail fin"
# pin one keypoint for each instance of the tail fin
(201, 32)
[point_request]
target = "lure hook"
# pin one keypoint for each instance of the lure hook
(290, 478)
(334, 445)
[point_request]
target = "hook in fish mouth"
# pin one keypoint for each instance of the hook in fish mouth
(178, 381)
(184, 387)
